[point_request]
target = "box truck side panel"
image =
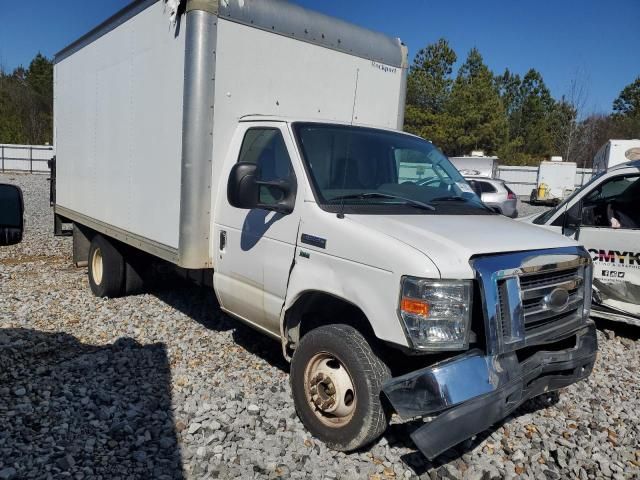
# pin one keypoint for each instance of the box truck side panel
(259, 72)
(119, 127)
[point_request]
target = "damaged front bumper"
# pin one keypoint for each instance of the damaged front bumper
(473, 391)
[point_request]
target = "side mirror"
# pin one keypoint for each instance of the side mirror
(11, 215)
(245, 191)
(572, 219)
(242, 187)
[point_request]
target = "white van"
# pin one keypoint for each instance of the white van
(258, 146)
(604, 215)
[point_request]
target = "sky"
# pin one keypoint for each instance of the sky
(595, 42)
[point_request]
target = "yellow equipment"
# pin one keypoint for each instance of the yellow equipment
(542, 191)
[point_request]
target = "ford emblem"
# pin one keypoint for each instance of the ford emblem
(557, 300)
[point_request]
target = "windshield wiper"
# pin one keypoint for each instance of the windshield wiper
(449, 199)
(462, 199)
(364, 195)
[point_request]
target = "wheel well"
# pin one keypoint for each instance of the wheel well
(314, 309)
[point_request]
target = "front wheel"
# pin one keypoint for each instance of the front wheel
(336, 381)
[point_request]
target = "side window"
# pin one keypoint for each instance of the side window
(613, 204)
(486, 187)
(266, 148)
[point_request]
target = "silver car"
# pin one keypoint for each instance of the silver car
(496, 195)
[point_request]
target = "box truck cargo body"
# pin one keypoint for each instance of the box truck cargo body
(257, 146)
(135, 100)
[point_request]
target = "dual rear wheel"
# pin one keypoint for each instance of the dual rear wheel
(114, 269)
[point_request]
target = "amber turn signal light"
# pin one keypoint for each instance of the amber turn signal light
(414, 307)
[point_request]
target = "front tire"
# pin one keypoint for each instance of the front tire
(336, 381)
(106, 268)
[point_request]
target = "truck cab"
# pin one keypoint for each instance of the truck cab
(322, 238)
(603, 216)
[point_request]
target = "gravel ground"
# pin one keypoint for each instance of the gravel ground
(525, 208)
(164, 385)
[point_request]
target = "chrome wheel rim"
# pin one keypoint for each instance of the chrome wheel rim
(330, 391)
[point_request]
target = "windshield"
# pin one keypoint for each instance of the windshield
(364, 170)
(549, 214)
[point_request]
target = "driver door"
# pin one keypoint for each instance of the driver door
(255, 248)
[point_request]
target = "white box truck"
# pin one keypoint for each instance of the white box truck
(257, 145)
(555, 182)
(615, 152)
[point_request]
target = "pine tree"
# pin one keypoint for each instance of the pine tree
(477, 117)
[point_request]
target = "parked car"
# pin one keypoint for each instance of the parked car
(11, 214)
(360, 248)
(604, 216)
(496, 194)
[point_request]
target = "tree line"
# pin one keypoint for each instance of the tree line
(26, 103)
(509, 115)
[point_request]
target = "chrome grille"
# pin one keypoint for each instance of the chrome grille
(536, 289)
(532, 297)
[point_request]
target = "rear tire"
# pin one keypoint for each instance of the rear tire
(336, 382)
(135, 273)
(106, 268)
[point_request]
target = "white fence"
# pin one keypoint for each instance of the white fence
(524, 179)
(25, 158)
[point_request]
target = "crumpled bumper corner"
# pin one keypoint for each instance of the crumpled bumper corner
(471, 392)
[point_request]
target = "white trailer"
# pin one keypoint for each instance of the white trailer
(555, 182)
(615, 152)
(476, 166)
(256, 145)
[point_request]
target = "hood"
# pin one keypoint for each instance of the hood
(529, 218)
(451, 240)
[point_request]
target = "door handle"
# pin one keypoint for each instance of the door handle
(223, 240)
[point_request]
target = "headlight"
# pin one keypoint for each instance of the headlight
(436, 313)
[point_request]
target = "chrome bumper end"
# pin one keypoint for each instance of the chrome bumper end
(473, 391)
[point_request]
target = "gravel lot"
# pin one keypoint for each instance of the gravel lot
(164, 385)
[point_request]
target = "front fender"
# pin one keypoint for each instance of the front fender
(373, 290)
